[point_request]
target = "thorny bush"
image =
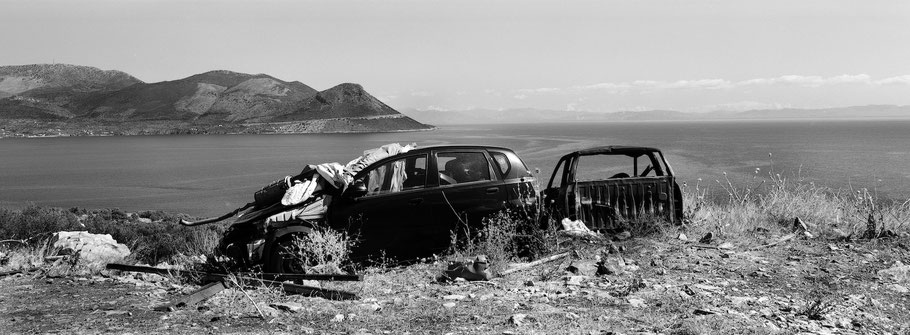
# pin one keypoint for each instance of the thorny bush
(323, 250)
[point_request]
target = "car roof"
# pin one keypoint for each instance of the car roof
(459, 146)
(614, 149)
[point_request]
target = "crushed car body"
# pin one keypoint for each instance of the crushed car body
(395, 201)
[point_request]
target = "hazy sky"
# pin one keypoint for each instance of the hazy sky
(585, 55)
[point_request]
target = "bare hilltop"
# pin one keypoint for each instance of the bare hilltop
(61, 100)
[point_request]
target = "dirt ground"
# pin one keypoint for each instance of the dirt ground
(656, 286)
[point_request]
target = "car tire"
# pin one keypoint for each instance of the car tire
(281, 258)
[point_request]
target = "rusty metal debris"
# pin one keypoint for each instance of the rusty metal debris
(201, 294)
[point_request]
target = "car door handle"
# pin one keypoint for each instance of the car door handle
(492, 190)
(415, 201)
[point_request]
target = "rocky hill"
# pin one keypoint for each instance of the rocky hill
(61, 96)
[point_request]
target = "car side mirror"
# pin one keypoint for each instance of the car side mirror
(357, 189)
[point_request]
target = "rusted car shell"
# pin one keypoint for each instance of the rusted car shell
(603, 204)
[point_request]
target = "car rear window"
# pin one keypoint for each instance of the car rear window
(462, 167)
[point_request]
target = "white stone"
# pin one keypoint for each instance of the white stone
(92, 248)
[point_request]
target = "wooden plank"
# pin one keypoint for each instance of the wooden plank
(9, 273)
(305, 276)
(535, 263)
(201, 294)
(267, 276)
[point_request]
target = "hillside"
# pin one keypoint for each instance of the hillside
(69, 99)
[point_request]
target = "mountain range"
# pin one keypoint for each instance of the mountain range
(531, 115)
(115, 102)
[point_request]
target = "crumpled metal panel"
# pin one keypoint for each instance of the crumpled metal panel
(602, 204)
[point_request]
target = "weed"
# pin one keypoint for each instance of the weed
(816, 309)
(323, 250)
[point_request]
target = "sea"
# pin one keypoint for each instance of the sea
(205, 175)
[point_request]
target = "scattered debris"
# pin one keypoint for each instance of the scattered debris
(471, 271)
(205, 292)
(292, 307)
(898, 288)
(699, 311)
(517, 319)
(897, 272)
(577, 229)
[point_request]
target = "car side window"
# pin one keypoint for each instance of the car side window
(401, 174)
(502, 161)
(462, 167)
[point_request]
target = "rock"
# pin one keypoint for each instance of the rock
(683, 237)
(449, 305)
(574, 280)
(91, 248)
(702, 312)
(292, 307)
(622, 236)
(338, 318)
(841, 235)
(707, 238)
(268, 312)
(898, 288)
(637, 303)
(897, 272)
(517, 319)
(739, 301)
(799, 225)
(611, 266)
(726, 246)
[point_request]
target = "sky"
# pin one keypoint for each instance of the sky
(601, 56)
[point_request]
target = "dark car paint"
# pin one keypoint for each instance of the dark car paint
(419, 222)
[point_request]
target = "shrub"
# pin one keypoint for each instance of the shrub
(35, 220)
(323, 250)
(149, 242)
(503, 237)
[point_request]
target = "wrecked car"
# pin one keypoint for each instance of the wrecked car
(403, 202)
(397, 202)
(603, 186)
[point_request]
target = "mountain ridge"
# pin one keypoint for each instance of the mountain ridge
(88, 96)
(531, 115)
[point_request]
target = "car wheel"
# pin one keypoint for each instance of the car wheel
(283, 258)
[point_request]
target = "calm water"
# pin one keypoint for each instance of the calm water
(207, 175)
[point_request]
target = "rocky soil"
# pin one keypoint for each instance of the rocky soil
(644, 286)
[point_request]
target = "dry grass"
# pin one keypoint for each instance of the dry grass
(771, 204)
